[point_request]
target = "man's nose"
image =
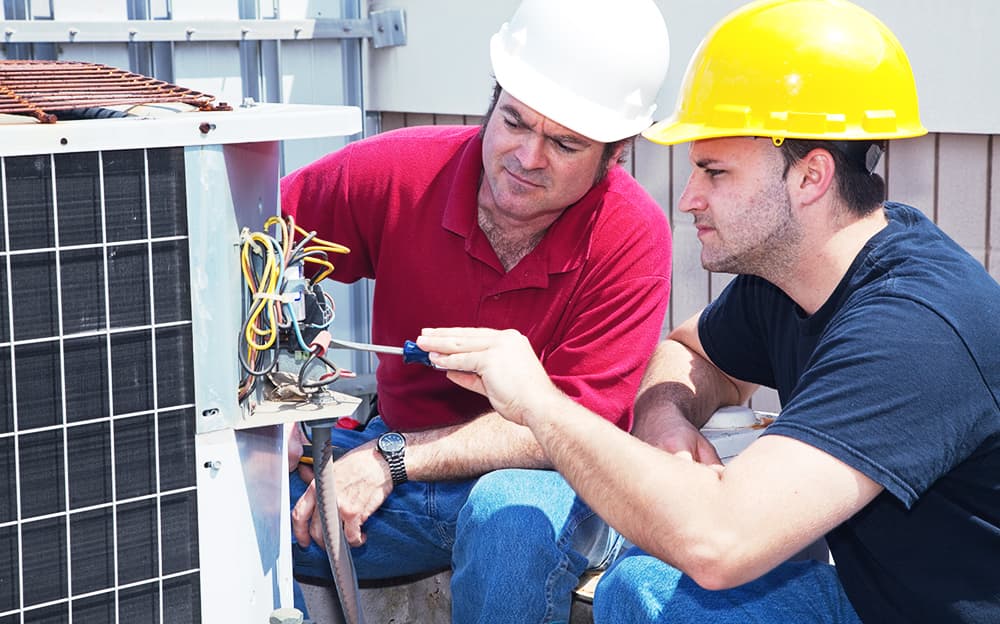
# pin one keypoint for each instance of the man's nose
(692, 198)
(531, 153)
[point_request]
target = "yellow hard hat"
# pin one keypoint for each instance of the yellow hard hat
(804, 69)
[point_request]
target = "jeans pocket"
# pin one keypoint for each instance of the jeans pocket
(595, 540)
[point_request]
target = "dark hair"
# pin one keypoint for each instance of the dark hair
(609, 148)
(859, 186)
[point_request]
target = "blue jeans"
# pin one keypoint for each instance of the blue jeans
(641, 588)
(517, 540)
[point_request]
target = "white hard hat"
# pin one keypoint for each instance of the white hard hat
(592, 66)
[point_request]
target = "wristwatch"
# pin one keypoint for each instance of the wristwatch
(392, 446)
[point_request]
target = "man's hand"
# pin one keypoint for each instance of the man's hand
(673, 433)
(296, 441)
(500, 365)
(362, 482)
(306, 524)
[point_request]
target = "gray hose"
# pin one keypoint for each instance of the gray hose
(337, 548)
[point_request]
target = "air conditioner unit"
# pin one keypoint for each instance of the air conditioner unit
(733, 428)
(136, 487)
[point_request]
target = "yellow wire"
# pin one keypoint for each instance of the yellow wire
(322, 276)
(332, 247)
(261, 335)
(283, 239)
(268, 285)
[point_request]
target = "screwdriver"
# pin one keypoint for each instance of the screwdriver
(412, 354)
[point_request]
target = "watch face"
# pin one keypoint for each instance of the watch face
(391, 442)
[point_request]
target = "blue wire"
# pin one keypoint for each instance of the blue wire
(295, 326)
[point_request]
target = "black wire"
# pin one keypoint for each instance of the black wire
(256, 269)
(270, 356)
(316, 253)
(298, 248)
(306, 430)
(325, 306)
(256, 372)
(297, 257)
(308, 387)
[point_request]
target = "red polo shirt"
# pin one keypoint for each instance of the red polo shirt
(590, 297)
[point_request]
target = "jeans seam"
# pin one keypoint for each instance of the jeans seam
(565, 542)
(441, 528)
(547, 618)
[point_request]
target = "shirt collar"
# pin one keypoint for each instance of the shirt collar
(565, 246)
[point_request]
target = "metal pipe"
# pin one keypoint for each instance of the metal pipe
(337, 548)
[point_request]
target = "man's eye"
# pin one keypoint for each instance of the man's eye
(714, 173)
(565, 148)
(510, 123)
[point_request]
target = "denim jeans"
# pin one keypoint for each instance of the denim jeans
(640, 588)
(517, 540)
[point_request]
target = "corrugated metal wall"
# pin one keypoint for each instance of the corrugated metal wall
(212, 47)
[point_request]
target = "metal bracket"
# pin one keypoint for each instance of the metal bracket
(385, 28)
(388, 28)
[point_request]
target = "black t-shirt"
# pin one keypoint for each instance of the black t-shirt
(898, 376)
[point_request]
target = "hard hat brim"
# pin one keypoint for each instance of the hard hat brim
(670, 131)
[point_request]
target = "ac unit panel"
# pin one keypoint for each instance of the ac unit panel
(134, 488)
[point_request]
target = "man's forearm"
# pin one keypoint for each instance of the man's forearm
(659, 502)
(486, 443)
(677, 377)
(680, 381)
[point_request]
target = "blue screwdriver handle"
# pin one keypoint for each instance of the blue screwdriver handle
(414, 354)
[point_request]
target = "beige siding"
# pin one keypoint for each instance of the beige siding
(393, 121)
(910, 172)
(963, 189)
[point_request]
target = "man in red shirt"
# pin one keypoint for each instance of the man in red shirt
(528, 222)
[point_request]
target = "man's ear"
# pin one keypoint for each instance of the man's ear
(615, 157)
(810, 178)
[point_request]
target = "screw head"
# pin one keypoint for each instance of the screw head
(286, 615)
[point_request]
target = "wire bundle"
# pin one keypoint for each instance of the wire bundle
(272, 267)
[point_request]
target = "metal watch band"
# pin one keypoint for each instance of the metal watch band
(392, 446)
(397, 469)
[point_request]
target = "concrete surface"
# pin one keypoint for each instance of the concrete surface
(425, 600)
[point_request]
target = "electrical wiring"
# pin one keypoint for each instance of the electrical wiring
(276, 295)
(323, 380)
(264, 314)
(319, 245)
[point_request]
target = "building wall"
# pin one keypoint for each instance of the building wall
(444, 68)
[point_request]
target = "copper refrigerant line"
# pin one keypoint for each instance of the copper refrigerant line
(38, 88)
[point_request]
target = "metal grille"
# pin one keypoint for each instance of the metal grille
(98, 512)
(42, 88)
